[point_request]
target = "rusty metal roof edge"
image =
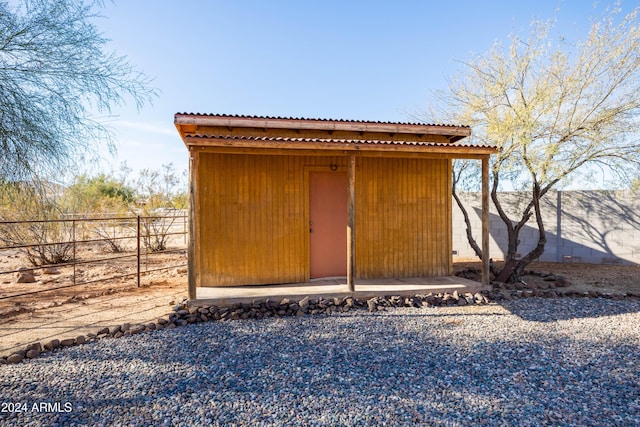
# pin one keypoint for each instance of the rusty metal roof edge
(335, 140)
(322, 120)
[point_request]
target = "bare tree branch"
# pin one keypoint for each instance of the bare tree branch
(555, 109)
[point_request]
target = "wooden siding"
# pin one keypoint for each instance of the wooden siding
(253, 212)
(403, 218)
(253, 217)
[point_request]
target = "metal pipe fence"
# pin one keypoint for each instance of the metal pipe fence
(131, 246)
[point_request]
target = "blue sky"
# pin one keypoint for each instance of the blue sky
(365, 60)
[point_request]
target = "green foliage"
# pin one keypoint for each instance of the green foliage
(555, 109)
(156, 195)
(55, 72)
(180, 201)
(161, 193)
(159, 188)
(45, 232)
(98, 194)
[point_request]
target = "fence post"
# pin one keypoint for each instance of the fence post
(138, 250)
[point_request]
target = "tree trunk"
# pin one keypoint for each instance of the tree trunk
(513, 265)
(536, 252)
(472, 241)
(465, 214)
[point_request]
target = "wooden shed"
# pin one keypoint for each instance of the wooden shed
(286, 200)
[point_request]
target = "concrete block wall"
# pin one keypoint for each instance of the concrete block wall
(601, 227)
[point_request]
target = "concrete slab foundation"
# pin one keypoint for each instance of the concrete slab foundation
(335, 287)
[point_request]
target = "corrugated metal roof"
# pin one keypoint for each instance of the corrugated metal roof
(244, 116)
(335, 141)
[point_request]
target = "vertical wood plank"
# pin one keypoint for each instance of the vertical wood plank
(241, 192)
(449, 218)
(351, 223)
(191, 260)
(272, 182)
(304, 189)
(409, 245)
(391, 192)
(441, 219)
(433, 231)
(485, 220)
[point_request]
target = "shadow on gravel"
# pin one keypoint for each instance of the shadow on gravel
(339, 371)
(551, 310)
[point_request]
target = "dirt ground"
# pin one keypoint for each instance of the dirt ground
(16, 298)
(98, 273)
(60, 310)
(71, 311)
(614, 279)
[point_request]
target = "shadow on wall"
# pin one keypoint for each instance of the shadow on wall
(607, 220)
(599, 227)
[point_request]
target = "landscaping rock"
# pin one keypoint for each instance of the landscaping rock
(15, 358)
(32, 354)
(103, 331)
(304, 302)
(52, 345)
(50, 270)
(26, 277)
(35, 346)
(136, 329)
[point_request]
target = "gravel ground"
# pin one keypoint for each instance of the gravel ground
(526, 362)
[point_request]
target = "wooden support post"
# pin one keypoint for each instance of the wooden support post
(191, 250)
(351, 224)
(485, 221)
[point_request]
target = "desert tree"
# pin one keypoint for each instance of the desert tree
(32, 220)
(158, 192)
(557, 110)
(101, 194)
(106, 200)
(56, 79)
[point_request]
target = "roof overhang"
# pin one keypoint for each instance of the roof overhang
(186, 121)
(336, 145)
(255, 133)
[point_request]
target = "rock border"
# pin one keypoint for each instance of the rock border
(183, 315)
